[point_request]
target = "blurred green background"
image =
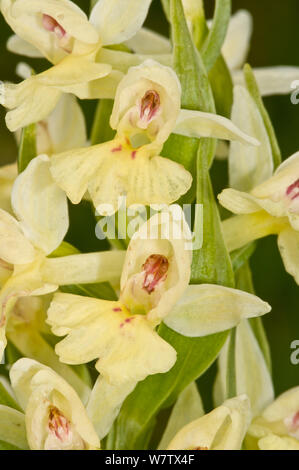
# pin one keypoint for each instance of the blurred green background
(274, 42)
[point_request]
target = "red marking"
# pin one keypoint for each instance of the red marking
(58, 423)
(50, 24)
(117, 149)
(127, 320)
(133, 154)
(155, 267)
(150, 104)
(117, 309)
(293, 190)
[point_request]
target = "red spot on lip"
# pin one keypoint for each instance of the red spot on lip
(117, 149)
(293, 190)
(155, 268)
(133, 154)
(127, 320)
(117, 309)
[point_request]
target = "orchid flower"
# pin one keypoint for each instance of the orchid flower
(41, 224)
(55, 418)
(224, 428)
(63, 34)
(154, 288)
(146, 110)
(269, 208)
(277, 427)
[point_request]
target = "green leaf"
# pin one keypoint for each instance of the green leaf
(253, 89)
(211, 48)
(136, 419)
(6, 399)
(27, 148)
(211, 263)
(240, 256)
(101, 130)
(222, 87)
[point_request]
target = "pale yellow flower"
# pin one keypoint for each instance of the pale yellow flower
(277, 427)
(146, 110)
(154, 288)
(55, 418)
(62, 33)
(270, 208)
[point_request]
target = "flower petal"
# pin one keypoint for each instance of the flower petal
(40, 205)
(238, 202)
(249, 165)
(222, 429)
(237, 41)
(17, 45)
(29, 102)
(105, 402)
(14, 246)
(72, 170)
(8, 174)
(284, 406)
(118, 21)
(187, 408)
(271, 80)
(198, 124)
(252, 375)
(86, 268)
(288, 244)
(149, 42)
(65, 128)
(206, 309)
(273, 442)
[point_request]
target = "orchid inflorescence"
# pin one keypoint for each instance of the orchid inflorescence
(97, 343)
